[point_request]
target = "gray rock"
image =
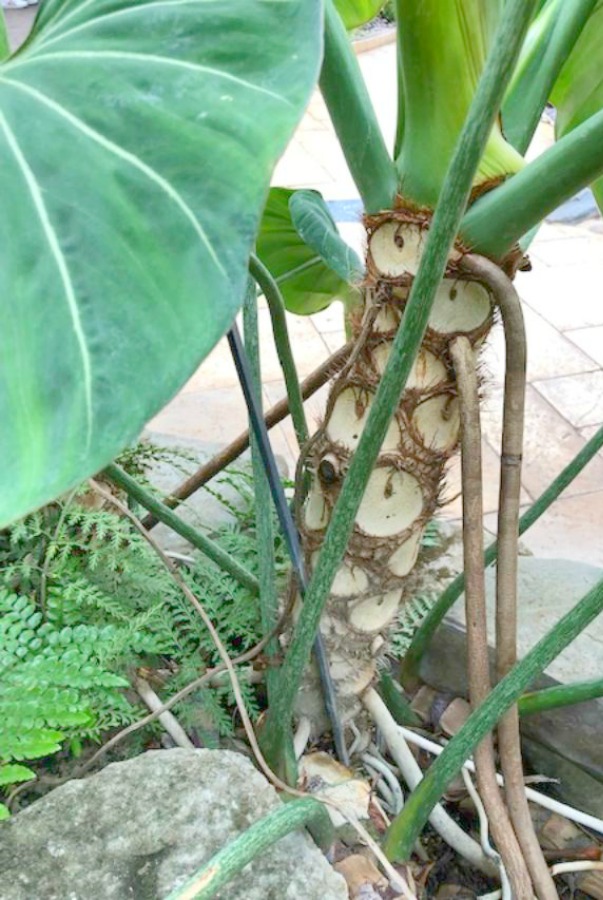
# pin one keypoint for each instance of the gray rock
(140, 828)
(565, 743)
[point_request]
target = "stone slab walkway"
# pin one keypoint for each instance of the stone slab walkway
(563, 304)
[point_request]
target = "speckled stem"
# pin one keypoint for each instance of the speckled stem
(404, 489)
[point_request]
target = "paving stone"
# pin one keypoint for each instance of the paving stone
(572, 527)
(549, 353)
(566, 296)
(550, 442)
(590, 340)
(579, 398)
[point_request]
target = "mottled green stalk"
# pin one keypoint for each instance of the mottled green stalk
(559, 696)
(446, 220)
(400, 708)
(354, 118)
(163, 514)
(548, 45)
(276, 307)
(269, 610)
(420, 642)
(406, 828)
(499, 219)
(229, 861)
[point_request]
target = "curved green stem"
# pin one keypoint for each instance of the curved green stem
(425, 632)
(559, 696)
(269, 610)
(499, 219)
(548, 45)
(164, 514)
(397, 704)
(455, 193)
(229, 861)
(354, 119)
(276, 306)
(408, 825)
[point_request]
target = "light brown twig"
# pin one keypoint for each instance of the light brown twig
(475, 600)
(509, 742)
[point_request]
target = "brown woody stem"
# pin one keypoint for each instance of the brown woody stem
(509, 742)
(475, 599)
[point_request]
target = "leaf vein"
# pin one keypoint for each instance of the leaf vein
(128, 157)
(148, 58)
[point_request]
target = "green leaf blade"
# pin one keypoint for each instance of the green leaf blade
(316, 227)
(137, 142)
(306, 282)
(13, 774)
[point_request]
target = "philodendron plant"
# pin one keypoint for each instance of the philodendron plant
(442, 49)
(137, 141)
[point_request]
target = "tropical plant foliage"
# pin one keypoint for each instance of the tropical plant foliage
(84, 602)
(136, 254)
(132, 275)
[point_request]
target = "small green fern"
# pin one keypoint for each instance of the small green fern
(84, 601)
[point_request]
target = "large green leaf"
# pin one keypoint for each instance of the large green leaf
(578, 93)
(306, 282)
(358, 12)
(137, 140)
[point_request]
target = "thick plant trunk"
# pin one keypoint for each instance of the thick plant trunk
(404, 488)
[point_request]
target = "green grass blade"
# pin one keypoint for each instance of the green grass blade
(499, 219)
(406, 828)
(455, 193)
(354, 118)
(427, 628)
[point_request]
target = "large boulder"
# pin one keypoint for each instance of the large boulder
(140, 828)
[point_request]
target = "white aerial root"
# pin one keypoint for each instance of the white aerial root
(167, 719)
(301, 736)
(566, 868)
(374, 764)
(556, 806)
(577, 866)
(446, 827)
